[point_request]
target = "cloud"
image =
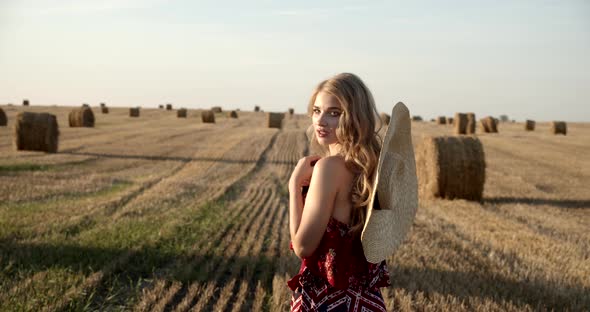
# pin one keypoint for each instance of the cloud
(319, 12)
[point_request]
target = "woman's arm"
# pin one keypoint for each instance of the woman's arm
(308, 225)
(295, 208)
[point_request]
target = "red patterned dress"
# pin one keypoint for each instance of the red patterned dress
(337, 276)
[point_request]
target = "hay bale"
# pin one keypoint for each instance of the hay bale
(3, 119)
(216, 109)
(529, 125)
(104, 110)
(385, 118)
(161, 106)
(81, 117)
(25, 102)
(471, 122)
(168, 106)
(274, 120)
(134, 112)
(441, 120)
(416, 118)
(291, 111)
(103, 105)
(36, 132)
(85, 105)
(208, 116)
(559, 127)
(449, 120)
(233, 114)
(451, 167)
(489, 125)
(256, 108)
(460, 123)
(181, 113)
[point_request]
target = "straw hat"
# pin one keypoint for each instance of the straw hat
(394, 200)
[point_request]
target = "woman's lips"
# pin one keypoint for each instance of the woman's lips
(322, 133)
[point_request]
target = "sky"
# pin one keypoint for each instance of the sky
(524, 59)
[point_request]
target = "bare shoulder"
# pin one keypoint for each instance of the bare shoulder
(334, 166)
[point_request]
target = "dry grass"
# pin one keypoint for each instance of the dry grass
(36, 132)
(450, 167)
(529, 125)
(460, 123)
(275, 120)
(181, 113)
(81, 117)
(559, 127)
(208, 116)
(152, 214)
(134, 112)
(3, 120)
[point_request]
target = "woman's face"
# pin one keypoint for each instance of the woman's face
(325, 117)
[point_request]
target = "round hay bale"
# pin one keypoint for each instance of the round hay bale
(256, 108)
(81, 117)
(36, 132)
(451, 167)
(168, 106)
(274, 120)
(449, 120)
(25, 102)
(233, 114)
(291, 111)
(216, 109)
(385, 118)
(416, 118)
(559, 127)
(460, 123)
(134, 112)
(529, 125)
(104, 110)
(471, 122)
(103, 105)
(208, 116)
(181, 113)
(489, 125)
(441, 120)
(3, 119)
(85, 105)
(161, 106)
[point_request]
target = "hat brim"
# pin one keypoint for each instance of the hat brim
(395, 190)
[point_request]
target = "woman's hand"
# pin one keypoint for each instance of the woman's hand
(301, 175)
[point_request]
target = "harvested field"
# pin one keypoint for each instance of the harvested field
(153, 214)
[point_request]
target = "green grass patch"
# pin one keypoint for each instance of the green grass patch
(23, 167)
(16, 218)
(31, 167)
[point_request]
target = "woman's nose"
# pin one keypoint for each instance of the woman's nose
(322, 120)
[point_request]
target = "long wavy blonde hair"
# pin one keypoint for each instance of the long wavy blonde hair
(357, 135)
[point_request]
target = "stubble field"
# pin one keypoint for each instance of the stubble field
(160, 213)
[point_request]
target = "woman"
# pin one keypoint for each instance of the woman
(326, 223)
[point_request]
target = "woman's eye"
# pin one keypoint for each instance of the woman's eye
(315, 110)
(335, 114)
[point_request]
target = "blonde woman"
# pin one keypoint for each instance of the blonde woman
(328, 198)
